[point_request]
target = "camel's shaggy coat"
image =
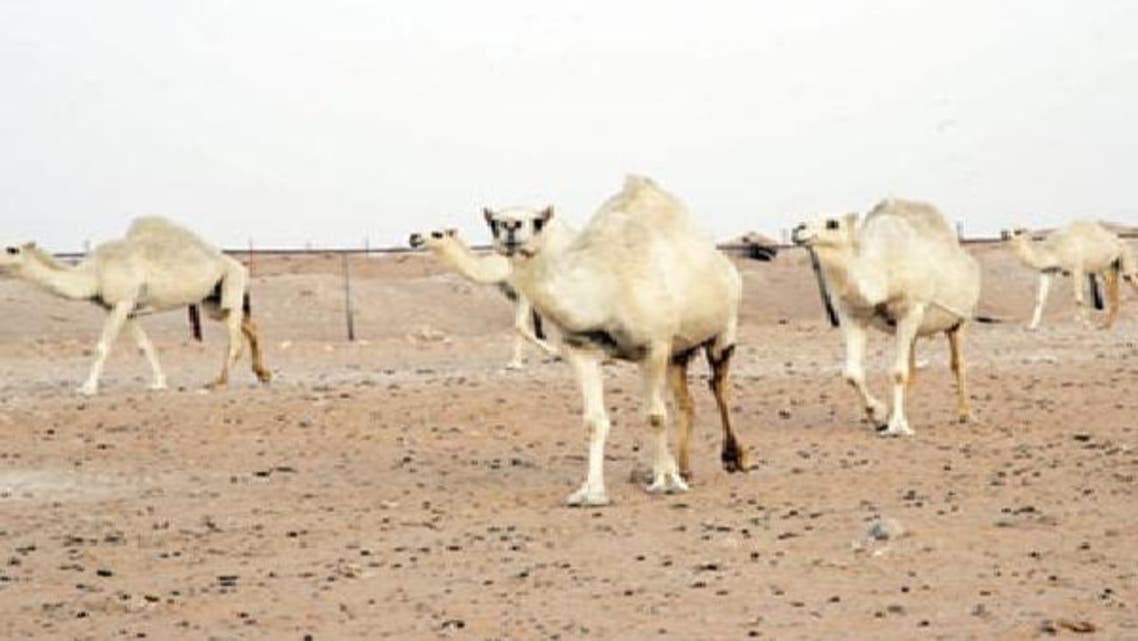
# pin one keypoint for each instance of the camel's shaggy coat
(1084, 247)
(902, 271)
(156, 267)
(641, 282)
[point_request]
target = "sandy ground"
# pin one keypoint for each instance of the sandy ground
(406, 487)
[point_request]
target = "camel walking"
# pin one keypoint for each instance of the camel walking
(157, 266)
(902, 271)
(641, 282)
(1082, 248)
(491, 269)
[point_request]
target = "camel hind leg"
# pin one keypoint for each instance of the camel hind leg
(249, 329)
(956, 351)
(147, 349)
(1113, 294)
(733, 456)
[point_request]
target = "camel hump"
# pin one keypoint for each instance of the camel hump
(925, 218)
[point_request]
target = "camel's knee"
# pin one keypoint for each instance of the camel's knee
(900, 375)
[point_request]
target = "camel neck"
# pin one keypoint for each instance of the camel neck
(1026, 251)
(488, 270)
(56, 277)
(837, 263)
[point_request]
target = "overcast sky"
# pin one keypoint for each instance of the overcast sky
(290, 122)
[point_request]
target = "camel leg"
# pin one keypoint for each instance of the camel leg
(654, 371)
(733, 456)
(587, 366)
(854, 372)
(111, 327)
(249, 329)
(233, 347)
(678, 381)
(907, 327)
(147, 349)
(1040, 299)
(956, 350)
(1112, 295)
(912, 366)
(523, 324)
(1079, 281)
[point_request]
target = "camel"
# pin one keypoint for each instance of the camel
(1083, 248)
(157, 266)
(641, 283)
(902, 271)
(491, 269)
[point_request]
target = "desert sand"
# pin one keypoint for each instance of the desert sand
(405, 486)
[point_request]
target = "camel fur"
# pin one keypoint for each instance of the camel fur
(491, 269)
(641, 282)
(902, 271)
(157, 266)
(1082, 248)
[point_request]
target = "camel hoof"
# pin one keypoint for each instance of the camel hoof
(585, 497)
(157, 387)
(515, 366)
(735, 458)
(667, 483)
(87, 390)
(265, 377)
(897, 430)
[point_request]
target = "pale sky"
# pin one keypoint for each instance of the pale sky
(290, 122)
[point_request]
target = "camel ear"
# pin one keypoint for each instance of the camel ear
(545, 214)
(451, 232)
(851, 219)
(487, 214)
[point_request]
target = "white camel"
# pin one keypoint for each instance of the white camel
(489, 269)
(1084, 247)
(641, 282)
(157, 267)
(904, 272)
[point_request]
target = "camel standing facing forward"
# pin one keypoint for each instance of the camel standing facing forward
(903, 271)
(157, 267)
(492, 269)
(641, 282)
(1083, 248)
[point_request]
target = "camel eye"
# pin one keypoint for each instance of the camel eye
(436, 234)
(537, 225)
(831, 224)
(13, 250)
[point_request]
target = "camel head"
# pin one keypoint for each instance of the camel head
(828, 232)
(15, 255)
(433, 239)
(518, 231)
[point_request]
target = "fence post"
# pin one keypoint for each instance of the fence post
(822, 289)
(348, 297)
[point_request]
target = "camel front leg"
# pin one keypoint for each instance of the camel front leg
(111, 327)
(956, 351)
(907, 327)
(733, 456)
(523, 325)
(654, 371)
(678, 381)
(1113, 295)
(587, 366)
(144, 345)
(854, 371)
(1040, 300)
